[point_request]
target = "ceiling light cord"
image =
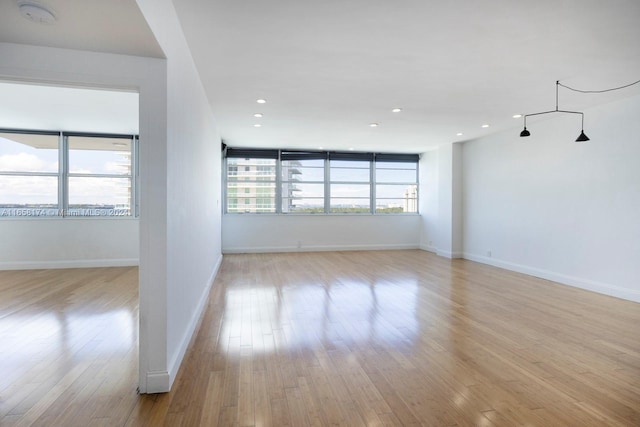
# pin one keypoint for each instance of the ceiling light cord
(597, 91)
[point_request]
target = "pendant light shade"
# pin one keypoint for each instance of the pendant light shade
(525, 132)
(581, 138)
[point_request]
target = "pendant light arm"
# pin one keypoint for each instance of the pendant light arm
(581, 138)
(552, 111)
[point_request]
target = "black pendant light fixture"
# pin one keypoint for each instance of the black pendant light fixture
(581, 138)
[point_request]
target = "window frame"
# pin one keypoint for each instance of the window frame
(408, 185)
(283, 155)
(63, 175)
(240, 197)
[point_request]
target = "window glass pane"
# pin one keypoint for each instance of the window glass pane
(293, 170)
(96, 196)
(345, 205)
(252, 189)
(350, 190)
(396, 175)
(398, 198)
(28, 195)
(89, 155)
(404, 205)
(399, 191)
(251, 186)
(350, 198)
(349, 175)
(253, 205)
(303, 205)
(302, 190)
(251, 169)
(28, 153)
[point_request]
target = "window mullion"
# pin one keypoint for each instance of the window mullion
(417, 187)
(135, 176)
(278, 183)
(63, 197)
(327, 186)
(372, 184)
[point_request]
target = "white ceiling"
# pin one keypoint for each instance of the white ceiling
(329, 68)
(58, 108)
(113, 26)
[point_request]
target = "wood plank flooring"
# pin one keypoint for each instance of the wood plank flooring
(337, 338)
(68, 346)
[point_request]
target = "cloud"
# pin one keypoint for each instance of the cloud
(24, 162)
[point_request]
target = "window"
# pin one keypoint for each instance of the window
(66, 174)
(255, 179)
(295, 182)
(100, 176)
(350, 187)
(396, 186)
(303, 182)
(29, 174)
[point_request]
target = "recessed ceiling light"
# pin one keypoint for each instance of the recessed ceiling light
(261, 101)
(517, 116)
(485, 126)
(396, 110)
(459, 134)
(373, 125)
(36, 12)
(258, 115)
(350, 148)
(257, 125)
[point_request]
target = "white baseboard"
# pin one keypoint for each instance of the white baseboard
(590, 285)
(277, 249)
(174, 365)
(158, 382)
(428, 248)
(450, 255)
(74, 263)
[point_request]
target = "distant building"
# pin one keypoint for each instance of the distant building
(411, 198)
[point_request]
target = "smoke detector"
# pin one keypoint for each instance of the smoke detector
(36, 12)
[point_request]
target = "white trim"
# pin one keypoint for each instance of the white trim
(157, 382)
(174, 365)
(590, 285)
(277, 249)
(428, 248)
(74, 263)
(450, 255)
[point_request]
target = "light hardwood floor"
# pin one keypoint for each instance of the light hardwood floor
(341, 338)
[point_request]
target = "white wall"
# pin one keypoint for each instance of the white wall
(442, 187)
(148, 77)
(550, 207)
(428, 200)
(68, 243)
(192, 184)
(289, 233)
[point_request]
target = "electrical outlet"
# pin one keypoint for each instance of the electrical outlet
(489, 254)
(299, 244)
